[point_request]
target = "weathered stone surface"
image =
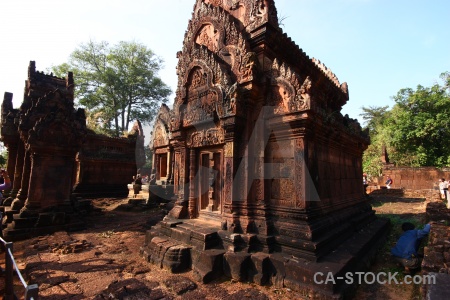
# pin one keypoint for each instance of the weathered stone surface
(179, 284)
(236, 265)
(278, 262)
(177, 259)
(209, 265)
(261, 268)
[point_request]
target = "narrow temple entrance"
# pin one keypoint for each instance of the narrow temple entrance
(163, 165)
(210, 183)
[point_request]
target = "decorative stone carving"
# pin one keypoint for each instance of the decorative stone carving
(207, 137)
(287, 95)
(248, 66)
(271, 165)
(208, 36)
(160, 138)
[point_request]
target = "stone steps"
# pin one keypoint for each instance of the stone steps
(280, 270)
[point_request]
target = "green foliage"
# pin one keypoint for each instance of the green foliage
(415, 131)
(420, 123)
(148, 157)
(3, 155)
(116, 84)
(3, 159)
(375, 118)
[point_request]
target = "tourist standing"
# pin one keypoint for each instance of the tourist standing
(5, 185)
(389, 182)
(445, 189)
(441, 188)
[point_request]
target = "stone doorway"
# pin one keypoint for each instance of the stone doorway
(210, 183)
(163, 165)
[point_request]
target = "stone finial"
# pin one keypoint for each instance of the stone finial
(31, 68)
(7, 104)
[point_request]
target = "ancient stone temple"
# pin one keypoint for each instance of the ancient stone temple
(51, 132)
(267, 172)
(54, 159)
(161, 148)
(161, 178)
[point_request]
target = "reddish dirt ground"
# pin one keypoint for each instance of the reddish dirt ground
(109, 265)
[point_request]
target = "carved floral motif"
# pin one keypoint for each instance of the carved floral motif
(212, 136)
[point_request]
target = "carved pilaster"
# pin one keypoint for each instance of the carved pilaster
(300, 174)
(192, 184)
(170, 167)
(18, 169)
(25, 179)
(229, 167)
(180, 210)
(157, 166)
(176, 171)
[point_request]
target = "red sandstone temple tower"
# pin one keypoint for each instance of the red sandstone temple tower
(264, 160)
(55, 160)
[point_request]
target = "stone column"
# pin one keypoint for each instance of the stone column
(23, 192)
(300, 174)
(157, 166)
(50, 182)
(12, 154)
(18, 170)
(171, 167)
(192, 183)
(180, 210)
(176, 171)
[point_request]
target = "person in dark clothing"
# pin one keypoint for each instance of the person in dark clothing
(405, 251)
(6, 184)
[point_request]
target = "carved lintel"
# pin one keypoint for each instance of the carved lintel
(212, 136)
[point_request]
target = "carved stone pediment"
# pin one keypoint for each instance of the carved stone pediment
(289, 92)
(160, 136)
(250, 13)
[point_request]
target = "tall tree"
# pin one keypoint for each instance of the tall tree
(116, 84)
(415, 131)
(374, 117)
(420, 124)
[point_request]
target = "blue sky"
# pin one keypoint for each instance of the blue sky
(376, 46)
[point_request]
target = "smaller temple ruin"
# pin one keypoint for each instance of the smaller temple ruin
(55, 161)
(162, 173)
